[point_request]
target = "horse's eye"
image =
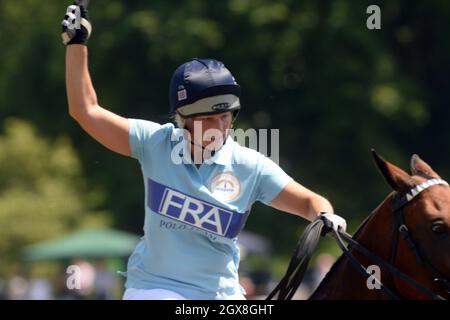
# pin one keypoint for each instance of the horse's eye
(438, 228)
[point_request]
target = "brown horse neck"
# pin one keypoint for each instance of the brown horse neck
(377, 234)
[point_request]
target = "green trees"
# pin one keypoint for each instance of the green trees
(42, 191)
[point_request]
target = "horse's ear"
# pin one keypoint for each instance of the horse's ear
(398, 179)
(421, 168)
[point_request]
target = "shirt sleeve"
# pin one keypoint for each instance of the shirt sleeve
(272, 181)
(140, 132)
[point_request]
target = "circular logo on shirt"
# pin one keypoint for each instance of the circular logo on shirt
(225, 186)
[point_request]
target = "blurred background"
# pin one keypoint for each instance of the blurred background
(311, 69)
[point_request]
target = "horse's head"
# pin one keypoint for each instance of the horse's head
(421, 202)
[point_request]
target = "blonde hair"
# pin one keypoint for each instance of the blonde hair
(179, 120)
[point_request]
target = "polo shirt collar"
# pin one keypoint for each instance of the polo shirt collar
(223, 156)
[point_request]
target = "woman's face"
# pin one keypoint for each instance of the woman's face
(207, 129)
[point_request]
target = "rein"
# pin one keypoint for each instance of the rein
(299, 262)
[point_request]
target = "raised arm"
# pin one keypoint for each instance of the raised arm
(110, 129)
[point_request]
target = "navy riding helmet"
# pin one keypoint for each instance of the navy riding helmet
(203, 86)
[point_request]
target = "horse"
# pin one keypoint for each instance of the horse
(409, 230)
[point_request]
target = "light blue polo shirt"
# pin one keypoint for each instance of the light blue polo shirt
(193, 215)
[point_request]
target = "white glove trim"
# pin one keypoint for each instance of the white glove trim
(337, 221)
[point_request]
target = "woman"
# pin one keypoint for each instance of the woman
(199, 183)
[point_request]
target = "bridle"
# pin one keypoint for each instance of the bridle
(321, 226)
(399, 201)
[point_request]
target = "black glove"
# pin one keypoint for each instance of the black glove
(76, 28)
